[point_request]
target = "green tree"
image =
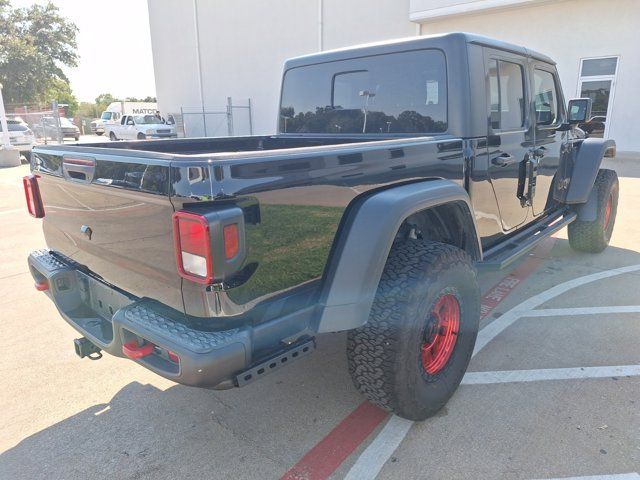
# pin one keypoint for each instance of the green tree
(61, 91)
(103, 100)
(145, 99)
(36, 43)
(106, 99)
(88, 110)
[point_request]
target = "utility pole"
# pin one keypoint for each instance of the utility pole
(6, 143)
(9, 157)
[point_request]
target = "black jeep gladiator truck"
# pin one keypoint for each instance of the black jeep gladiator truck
(398, 171)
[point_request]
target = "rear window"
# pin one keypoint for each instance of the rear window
(395, 93)
(15, 126)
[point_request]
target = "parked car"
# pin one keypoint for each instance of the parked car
(20, 136)
(47, 128)
(594, 127)
(401, 169)
(114, 112)
(140, 127)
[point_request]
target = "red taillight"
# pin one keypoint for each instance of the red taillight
(42, 286)
(192, 241)
(231, 241)
(173, 357)
(32, 193)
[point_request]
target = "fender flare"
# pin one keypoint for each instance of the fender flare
(362, 247)
(585, 169)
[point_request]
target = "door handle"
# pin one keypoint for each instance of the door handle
(503, 160)
(78, 169)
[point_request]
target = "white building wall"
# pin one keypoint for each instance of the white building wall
(244, 44)
(568, 31)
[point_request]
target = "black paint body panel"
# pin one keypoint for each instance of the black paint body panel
(294, 192)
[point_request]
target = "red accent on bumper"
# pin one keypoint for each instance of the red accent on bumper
(42, 286)
(135, 351)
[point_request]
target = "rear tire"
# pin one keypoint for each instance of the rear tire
(392, 358)
(593, 237)
(141, 136)
(112, 137)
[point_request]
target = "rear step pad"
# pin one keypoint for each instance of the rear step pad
(152, 321)
(261, 369)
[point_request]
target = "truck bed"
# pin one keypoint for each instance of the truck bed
(256, 143)
(293, 192)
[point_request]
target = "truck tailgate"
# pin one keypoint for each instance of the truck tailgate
(112, 214)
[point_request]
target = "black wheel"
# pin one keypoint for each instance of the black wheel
(99, 133)
(412, 354)
(593, 237)
(141, 136)
(112, 137)
(76, 138)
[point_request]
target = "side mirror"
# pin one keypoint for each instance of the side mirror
(579, 110)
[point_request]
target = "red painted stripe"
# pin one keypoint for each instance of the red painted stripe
(504, 287)
(325, 458)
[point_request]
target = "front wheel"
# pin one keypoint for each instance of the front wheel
(594, 236)
(411, 355)
(141, 136)
(112, 137)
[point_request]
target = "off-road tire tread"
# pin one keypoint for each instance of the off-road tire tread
(372, 349)
(591, 237)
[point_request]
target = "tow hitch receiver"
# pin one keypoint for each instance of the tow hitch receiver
(84, 348)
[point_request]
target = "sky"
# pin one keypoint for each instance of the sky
(114, 45)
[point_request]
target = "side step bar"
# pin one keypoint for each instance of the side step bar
(502, 255)
(274, 363)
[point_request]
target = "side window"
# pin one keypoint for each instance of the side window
(545, 97)
(506, 95)
(124, 120)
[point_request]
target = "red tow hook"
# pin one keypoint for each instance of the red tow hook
(42, 285)
(135, 351)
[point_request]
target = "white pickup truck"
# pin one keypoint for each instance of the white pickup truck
(140, 127)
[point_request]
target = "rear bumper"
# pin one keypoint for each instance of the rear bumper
(162, 135)
(109, 318)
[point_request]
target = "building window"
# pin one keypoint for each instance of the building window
(597, 82)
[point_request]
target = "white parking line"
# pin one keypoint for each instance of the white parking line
(508, 376)
(371, 461)
(496, 327)
(396, 429)
(618, 476)
(562, 312)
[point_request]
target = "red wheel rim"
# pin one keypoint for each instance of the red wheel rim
(441, 334)
(607, 211)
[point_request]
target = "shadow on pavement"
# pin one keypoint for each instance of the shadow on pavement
(258, 431)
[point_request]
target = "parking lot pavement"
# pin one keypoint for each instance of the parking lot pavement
(552, 393)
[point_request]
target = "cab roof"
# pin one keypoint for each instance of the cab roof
(444, 41)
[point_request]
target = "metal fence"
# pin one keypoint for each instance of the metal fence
(231, 119)
(44, 121)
